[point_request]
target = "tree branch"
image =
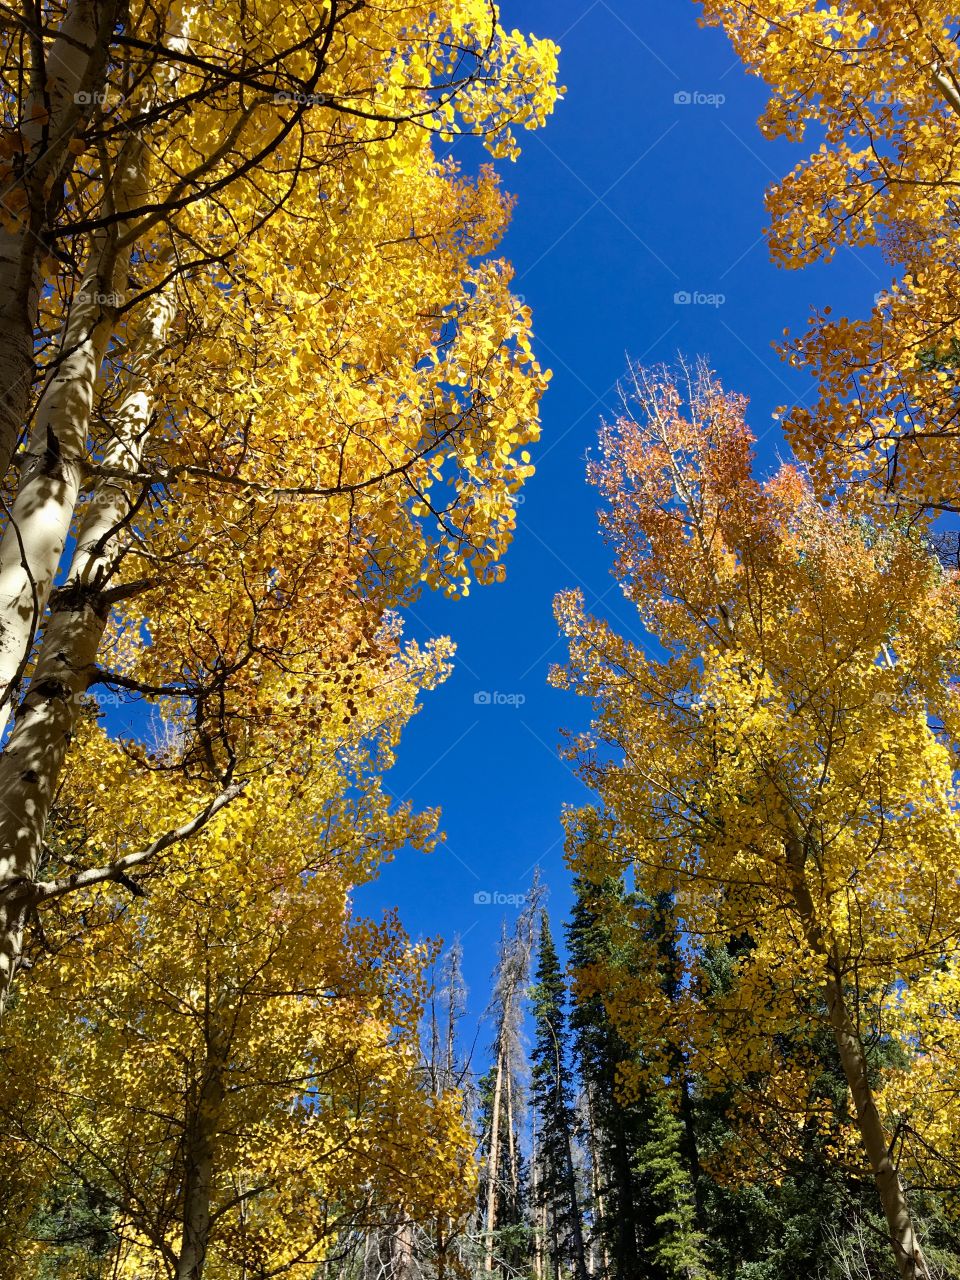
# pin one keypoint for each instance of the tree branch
(47, 890)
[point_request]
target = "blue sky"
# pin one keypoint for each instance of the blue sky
(629, 197)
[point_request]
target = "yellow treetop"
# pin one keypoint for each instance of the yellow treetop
(877, 88)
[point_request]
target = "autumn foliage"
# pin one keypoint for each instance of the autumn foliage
(875, 89)
(264, 381)
(777, 762)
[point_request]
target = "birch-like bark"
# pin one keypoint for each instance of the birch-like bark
(903, 1237)
(38, 524)
(33, 543)
(200, 1159)
(31, 763)
(907, 1251)
(64, 84)
(576, 1221)
(403, 1251)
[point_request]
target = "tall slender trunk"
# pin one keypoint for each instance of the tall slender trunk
(690, 1142)
(576, 1222)
(535, 1197)
(903, 1238)
(554, 1227)
(511, 1140)
(907, 1251)
(403, 1252)
(435, 1068)
(596, 1191)
(450, 1053)
(493, 1159)
(628, 1229)
(39, 521)
(200, 1161)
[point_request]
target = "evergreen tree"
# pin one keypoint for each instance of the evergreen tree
(678, 1247)
(619, 1215)
(552, 1100)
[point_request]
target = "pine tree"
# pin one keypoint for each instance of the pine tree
(617, 1127)
(679, 1246)
(552, 1100)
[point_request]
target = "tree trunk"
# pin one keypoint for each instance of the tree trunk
(903, 1239)
(39, 521)
(511, 1140)
(576, 1222)
(66, 81)
(33, 543)
(534, 1189)
(907, 1252)
(199, 1160)
(31, 762)
(596, 1189)
(493, 1158)
(403, 1252)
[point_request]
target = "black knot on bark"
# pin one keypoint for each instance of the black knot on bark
(77, 596)
(50, 689)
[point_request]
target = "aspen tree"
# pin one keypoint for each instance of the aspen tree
(779, 773)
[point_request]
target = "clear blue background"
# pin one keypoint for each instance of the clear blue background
(626, 198)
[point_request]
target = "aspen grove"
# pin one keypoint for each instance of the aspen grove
(270, 401)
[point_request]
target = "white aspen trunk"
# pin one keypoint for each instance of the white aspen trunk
(39, 521)
(30, 766)
(76, 60)
(31, 763)
(403, 1253)
(907, 1252)
(33, 757)
(903, 1238)
(199, 1172)
(579, 1253)
(449, 1057)
(493, 1158)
